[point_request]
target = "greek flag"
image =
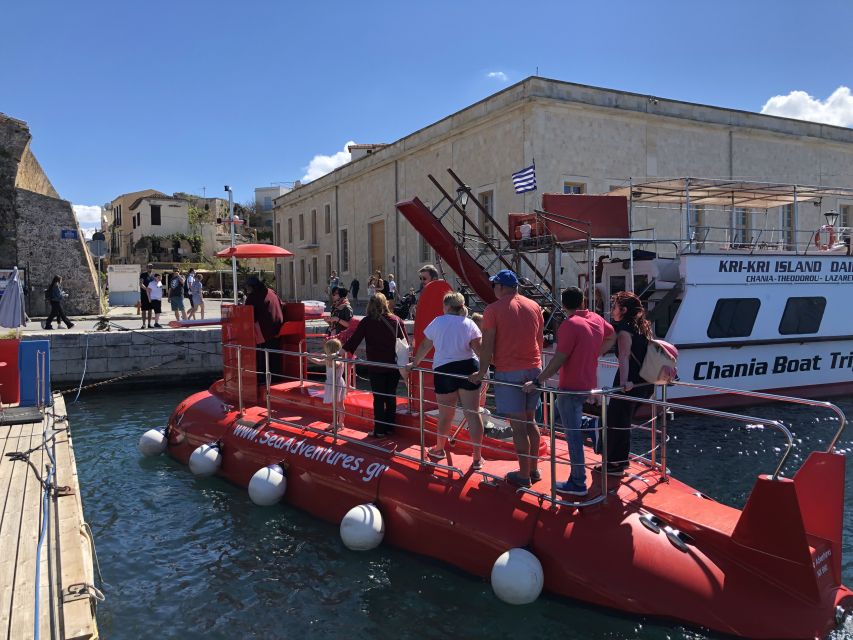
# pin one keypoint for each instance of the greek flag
(525, 180)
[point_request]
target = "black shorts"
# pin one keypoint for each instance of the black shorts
(156, 306)
(145, 303)
(447, 384)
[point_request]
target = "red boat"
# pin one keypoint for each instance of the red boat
(644, 543)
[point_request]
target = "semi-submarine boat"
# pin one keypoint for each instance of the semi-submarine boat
(643, 543)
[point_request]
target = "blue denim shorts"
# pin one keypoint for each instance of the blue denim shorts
(509, 400)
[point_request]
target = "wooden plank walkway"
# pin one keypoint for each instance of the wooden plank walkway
(65, 608)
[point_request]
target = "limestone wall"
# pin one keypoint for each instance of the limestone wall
(185, 354)
(32, 177)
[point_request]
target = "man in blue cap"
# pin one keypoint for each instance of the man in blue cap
(513, 334)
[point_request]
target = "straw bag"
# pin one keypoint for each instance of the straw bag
(659, 365)
(401, 345)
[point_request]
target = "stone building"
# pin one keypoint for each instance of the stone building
(38, 229)
(582, 139)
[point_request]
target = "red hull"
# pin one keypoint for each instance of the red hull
(730, 579)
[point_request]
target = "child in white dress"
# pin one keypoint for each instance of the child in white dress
(334, 371)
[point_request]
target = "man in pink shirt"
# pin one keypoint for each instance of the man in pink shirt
(513, 333)
(581, 338)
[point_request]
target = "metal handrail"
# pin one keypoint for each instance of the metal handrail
(822, 404)
(720, 414)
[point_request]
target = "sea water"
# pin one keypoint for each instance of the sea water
(183, 557)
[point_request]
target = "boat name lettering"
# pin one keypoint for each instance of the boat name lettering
(328, 455)
(712, 370)
(821, 564)
(789, 271)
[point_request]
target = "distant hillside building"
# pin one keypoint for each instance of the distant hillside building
(38, 230)
(583, 140)
(264, 199)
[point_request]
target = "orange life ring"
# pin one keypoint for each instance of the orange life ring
(830, 240)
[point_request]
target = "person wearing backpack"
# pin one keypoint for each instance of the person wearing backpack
(633, 334)
(176, 294)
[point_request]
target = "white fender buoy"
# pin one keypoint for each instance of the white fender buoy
(268, 485)
(153, 442)
(205, 460)
(517, 577)
(362, 528)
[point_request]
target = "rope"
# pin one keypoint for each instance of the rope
(85, 364)
(122, 377)
(91, 537)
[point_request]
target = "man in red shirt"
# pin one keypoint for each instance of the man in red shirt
(581, 338)
(513, 333)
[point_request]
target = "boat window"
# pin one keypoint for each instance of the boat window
(802, 315)
(617, 284)
(733, 317)
(663, 323)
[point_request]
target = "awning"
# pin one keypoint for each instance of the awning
(254, 251)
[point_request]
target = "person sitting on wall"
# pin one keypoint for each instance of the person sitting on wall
(268, 321)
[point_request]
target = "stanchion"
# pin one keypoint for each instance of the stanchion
(239, 379)
(553, 444)
(654, 431)
(604, 447)
(268, 377)
(663, 433)
(421, 416)
(335, 399)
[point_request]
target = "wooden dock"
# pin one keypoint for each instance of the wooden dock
(66, 594)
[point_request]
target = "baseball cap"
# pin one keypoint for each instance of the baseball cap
(505, 277)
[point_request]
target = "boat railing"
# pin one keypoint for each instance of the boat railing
(421, 406)
(761, 395)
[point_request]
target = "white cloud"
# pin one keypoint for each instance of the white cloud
(320, 165)
(497, 75)
(87, 215)
(837, 109)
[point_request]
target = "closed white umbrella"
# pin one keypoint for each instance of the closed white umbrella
(12, 314)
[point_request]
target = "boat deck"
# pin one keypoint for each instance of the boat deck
(65, 607)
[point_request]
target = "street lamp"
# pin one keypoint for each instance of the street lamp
(463, 193)
(831, 217)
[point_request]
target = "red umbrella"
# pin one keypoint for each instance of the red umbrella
(242, 251)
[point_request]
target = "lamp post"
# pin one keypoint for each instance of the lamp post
(463, 193)
(233, 241)
(831, 217)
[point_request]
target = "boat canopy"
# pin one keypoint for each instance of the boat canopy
(721, 192)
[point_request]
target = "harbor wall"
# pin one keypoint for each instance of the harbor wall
(183, 355)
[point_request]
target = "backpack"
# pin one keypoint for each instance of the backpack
(659, 365)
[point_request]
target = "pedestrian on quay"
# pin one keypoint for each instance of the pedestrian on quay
(513, 335)
(392, 287)
(427, 274)
(176, 294)
(371, 288)
(457, 341)
(268, 321)
(633, 333)
(197, 296)
(582, 337)
(334, 283)
(144, 301)
(188, 283)
(380, 329)
(55, 295)
(155, 295)
(354, 286)
(341, 315)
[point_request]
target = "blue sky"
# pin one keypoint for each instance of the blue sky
(182, 95)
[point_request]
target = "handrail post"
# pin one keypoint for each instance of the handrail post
(655, 431)
(421, 416)
(240, 378)
(335, 398)
(553, 445)
(663, 434)
(268, 377)
(603, 438)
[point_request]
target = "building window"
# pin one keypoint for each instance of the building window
(290, 230)
(741, 232)
(278, 233)
(328, 266)
(138, 218)
(291, 283)
(845, 215)
(344, 251)
(313, 226)
(487, 199)
(155, 214)
(267, 203)
(314, 277)
(134, 222)
(733, 317)
(574, 188)
(425, 251)
(302, 272)
(301, 227)
(802, 315)
(117, 215)
(789, 226)
(327, 218)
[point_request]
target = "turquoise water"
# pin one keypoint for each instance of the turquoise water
(188, 558)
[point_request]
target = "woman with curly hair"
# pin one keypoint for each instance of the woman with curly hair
(633, 333)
